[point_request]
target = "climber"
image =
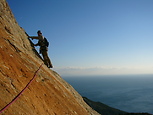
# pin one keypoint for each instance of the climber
(43, 43)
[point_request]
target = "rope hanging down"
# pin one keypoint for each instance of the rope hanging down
(21, 91)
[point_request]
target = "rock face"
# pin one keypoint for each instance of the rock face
(48, 94)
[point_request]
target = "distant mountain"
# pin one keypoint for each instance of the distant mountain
(136, 114)
(106, 110)
(102, 108)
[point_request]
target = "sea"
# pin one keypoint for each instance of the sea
(130, 93)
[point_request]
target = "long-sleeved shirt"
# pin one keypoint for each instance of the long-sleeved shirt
(40, 38)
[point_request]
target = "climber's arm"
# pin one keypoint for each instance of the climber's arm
(37, 44)
(34, 37)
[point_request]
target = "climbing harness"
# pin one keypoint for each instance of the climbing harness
(21, 91)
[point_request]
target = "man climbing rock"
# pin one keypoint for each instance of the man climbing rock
(43, 43)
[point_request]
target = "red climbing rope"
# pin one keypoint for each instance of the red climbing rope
(21, 91)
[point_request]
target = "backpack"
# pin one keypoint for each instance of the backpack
(46, 42)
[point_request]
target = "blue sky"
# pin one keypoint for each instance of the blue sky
(92, 37)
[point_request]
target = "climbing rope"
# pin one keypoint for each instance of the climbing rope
(21, 91)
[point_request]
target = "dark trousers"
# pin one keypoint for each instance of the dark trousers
(46, 59)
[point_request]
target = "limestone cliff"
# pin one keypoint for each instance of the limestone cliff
(48, 94)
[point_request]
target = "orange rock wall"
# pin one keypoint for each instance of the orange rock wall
(48, 94)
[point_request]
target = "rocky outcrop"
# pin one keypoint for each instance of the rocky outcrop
(48, 94)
